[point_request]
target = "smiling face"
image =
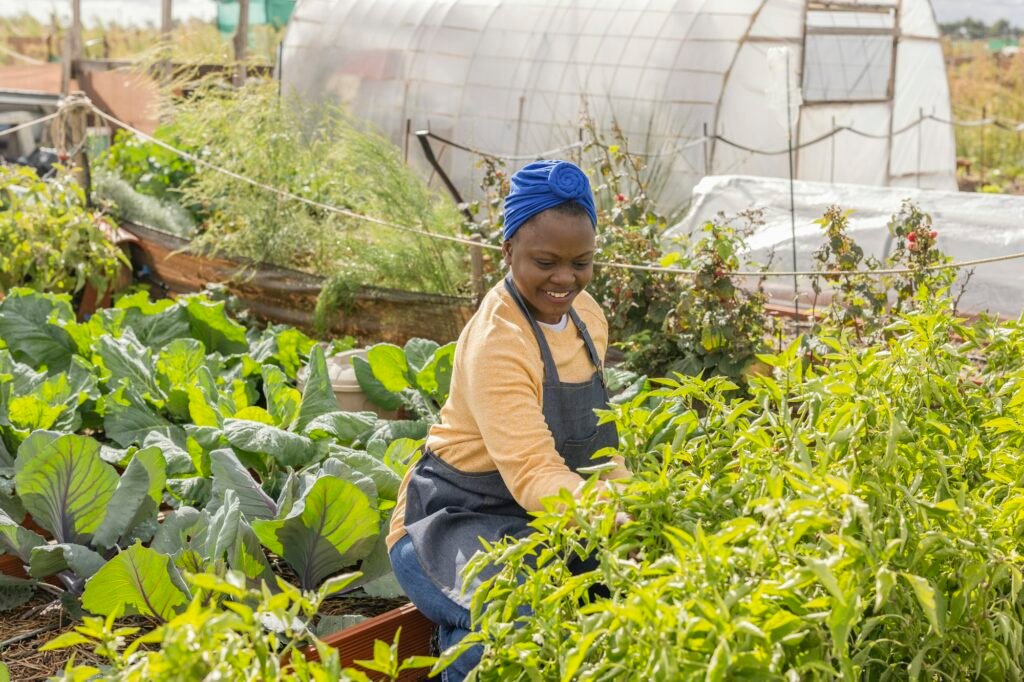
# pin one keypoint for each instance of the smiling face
(552, 260)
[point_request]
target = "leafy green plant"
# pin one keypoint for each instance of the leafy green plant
(52, 241)
(150, 168)
(916, 249)
(90, 511)
(417, 377)
(208, 413)
(857, 299)
(221, 634)
(321, 154)
(857, 518)
(717, 327)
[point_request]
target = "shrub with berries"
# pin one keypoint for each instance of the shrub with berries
(718, 326)
(857, 299)
(916, 249)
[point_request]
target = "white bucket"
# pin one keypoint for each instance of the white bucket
(346, 387)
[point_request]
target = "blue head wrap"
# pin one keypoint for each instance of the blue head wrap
(542, 185)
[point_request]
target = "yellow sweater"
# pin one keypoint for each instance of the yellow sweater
(493, 419)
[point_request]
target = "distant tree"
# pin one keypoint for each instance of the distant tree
(973, 29)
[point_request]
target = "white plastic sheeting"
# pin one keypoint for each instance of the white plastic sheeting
(509, 77)
(970, 226)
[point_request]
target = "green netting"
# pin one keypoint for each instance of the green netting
(273, 12)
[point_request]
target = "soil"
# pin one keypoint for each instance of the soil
(359, 604)
(39, 621)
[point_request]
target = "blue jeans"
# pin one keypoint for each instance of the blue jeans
(453, 622)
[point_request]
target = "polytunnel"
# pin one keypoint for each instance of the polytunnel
(690, 82)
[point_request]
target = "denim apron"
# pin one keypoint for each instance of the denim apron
(448, 511)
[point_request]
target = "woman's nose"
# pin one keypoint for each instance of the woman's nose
(563, 276)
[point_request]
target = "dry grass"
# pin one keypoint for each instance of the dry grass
(192, 41)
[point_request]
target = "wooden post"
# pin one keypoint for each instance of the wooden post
(70, 131)
(476, 257)
(72, 47)
(166, 26)
(241, 42)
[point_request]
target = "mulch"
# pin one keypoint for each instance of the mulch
(42, 619)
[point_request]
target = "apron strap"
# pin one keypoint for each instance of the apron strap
(550, 370)
(581, 327)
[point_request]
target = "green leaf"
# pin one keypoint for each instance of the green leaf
(343, 426)
(338, 469)
(65, 641)
(436, 376)
(211, 325)
(418, 354)
(247, 556)
(138, 581)
(288, 449)
(26, 328)
(176, 369)
(30, 413)
(929, 600)
(176, 529)
(52, 559)
(176, 457)
(283, 400)
(373, 388)
(885, 580)
(128, 360)
(389, 366)
(17, 540)
(128, 420)
(317, 394)
(65, 485)
(320, 535)
(230, 475)
(15, 592)
(155, 324)
(292, 346)
(386, 480)
(137, 498)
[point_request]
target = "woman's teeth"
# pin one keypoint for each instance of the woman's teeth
(558, 294)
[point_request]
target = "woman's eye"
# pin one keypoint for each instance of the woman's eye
(545, 263)
(581, 266)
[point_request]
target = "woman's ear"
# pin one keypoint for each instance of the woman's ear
(506, 252)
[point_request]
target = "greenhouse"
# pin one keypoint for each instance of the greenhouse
(510, 79)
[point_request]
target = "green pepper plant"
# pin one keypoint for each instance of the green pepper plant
(857, 518)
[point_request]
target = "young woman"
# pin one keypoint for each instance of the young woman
(519, 421)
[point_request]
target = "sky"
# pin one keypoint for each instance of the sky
(988, 11)
(148, 11)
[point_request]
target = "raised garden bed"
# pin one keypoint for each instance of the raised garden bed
(356, 643)
(280, 295)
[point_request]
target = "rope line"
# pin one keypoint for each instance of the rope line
(518, 157)
(1011, 126)
(29, 124)
(471, 242)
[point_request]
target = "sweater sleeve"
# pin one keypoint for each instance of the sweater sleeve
(506, 405)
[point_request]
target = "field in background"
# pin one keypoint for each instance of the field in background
(192, 41)
(986, 84)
